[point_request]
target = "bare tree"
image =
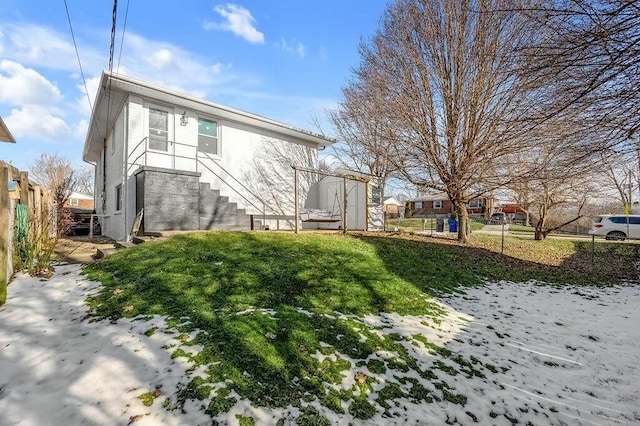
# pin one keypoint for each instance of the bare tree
(56, 174)
(445, 76)
(593, 48)
(85, 179)
(363, 136)
(620, 175)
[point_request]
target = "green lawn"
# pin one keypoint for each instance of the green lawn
(415, 224)
(267, 307)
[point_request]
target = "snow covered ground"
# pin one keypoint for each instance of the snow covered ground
(557, 356)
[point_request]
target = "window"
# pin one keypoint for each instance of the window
(208, 136)
(437, 204)
(119, 197)
(73, 202)
(622, 220)
(418, 205)
(475, 204)
(618, 219)
(158, 129)
(376, 195)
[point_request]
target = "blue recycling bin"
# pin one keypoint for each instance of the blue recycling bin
(453, 225)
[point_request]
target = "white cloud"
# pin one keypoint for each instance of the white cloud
(40, 46)
(160, 58)
(20, 85)
(161, 63)
(82, 103)
(293, 47)
(80, 131)
(40, 123)
(173, 67)
(238, 20)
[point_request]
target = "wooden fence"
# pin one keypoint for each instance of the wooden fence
(16, 188)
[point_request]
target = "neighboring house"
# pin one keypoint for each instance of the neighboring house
(516, 213)
(79, 201)
(5, 134)
(438, 204)
(392, 207)
(189, 163)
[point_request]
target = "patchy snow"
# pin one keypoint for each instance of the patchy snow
(572, 352)
(56, 369)
(548, 355)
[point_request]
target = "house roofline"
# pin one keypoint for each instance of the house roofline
(119, 84)
(5, 134)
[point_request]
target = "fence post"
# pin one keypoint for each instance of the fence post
(4, 232)
(24, 188)
(502, 246)
(346, 207)
(593, 247)
(295, 197)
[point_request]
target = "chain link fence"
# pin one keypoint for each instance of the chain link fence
(506, 230)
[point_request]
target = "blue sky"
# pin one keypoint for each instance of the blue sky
(286, 60)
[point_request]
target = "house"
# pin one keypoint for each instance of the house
(392, 207)
(190, 164)
(438, 204)
(5, 134)
(516, 213)
(79, 201)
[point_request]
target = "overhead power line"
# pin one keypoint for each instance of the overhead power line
(124, 28)
(75, 45)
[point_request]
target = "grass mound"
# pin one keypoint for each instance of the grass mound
(281, 319)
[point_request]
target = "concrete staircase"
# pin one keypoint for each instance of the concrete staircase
(216, 212)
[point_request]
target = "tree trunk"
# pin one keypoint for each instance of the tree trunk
(463, 221)
(540, 233)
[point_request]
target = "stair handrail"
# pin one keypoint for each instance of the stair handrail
(264, 205)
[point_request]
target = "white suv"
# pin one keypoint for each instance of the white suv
(616, 226)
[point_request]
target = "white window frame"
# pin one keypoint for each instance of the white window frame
(150, 138)
(218, 153)
(437, 204)
(418, 204)
(74, 202)
(118, 197)
(475, 203)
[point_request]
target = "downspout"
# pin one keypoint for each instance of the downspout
(125, 167)
(104, 176)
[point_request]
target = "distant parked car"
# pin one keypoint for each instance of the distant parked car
(498, 218)
(616, 227)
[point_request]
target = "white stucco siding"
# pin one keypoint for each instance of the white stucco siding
(186, 140)
(111, 219)
(261, 161)
(116, 178)
(135, 134)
